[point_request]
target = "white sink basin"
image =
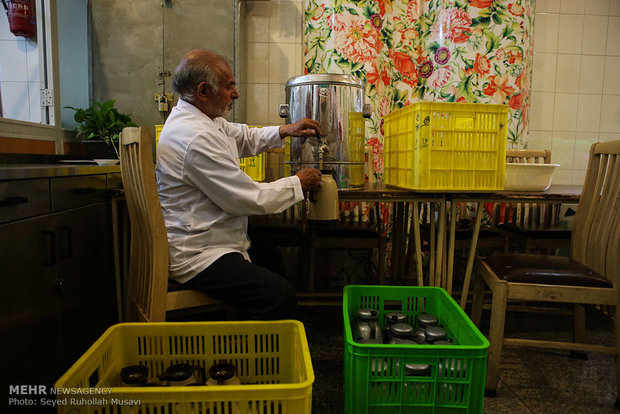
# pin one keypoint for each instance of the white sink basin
(528, 177)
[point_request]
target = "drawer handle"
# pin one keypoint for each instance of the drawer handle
(13, 201)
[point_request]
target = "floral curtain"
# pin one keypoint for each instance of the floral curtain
(477, 51)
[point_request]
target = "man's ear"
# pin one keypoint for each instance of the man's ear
(203, 92)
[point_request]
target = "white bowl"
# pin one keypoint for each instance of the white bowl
(528, 177)
(107, 161)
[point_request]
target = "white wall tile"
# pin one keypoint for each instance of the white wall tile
(547, 6)
(14, 65)
(613, 37)
(299, 61)
(610, 114)
(614, 8)
(277, 96)
(541, 112)
(34, 98)
(570, 34)
(591, 74)
(565, 112)
(572, 6)
(563, 149)
(546, 33)
(285, 22)
(257, 15)
(539, 140)
(604, 137)
(597, 7)
(258, 63)
(583, 142)
(611, 82)
(15, 100)
(589, 113)
(579, 177)
(32, 58)
(594, 35)
(562, 177)
(543, 72)
(5, 33)
(257, 111)
(567, 75)
(282, 62)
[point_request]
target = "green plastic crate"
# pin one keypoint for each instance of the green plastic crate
(457, 375)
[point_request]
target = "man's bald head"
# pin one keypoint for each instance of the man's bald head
(195, 67)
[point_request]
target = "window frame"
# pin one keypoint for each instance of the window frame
(47, 32)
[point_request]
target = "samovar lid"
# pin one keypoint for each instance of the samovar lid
(325, 79)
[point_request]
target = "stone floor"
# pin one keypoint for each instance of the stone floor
(531, 380)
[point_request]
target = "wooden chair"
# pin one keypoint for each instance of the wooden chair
(147, 296)
(534, 227)
(589, 277)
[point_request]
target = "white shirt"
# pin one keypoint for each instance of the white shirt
(205, 197)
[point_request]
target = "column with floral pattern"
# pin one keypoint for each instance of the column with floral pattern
(477, 51)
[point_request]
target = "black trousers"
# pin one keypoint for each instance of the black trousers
(256, 292)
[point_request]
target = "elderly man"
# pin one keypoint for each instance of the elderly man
(206, 198)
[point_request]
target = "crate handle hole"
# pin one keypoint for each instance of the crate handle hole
(93, 379)
(392, 305)
(464, 123)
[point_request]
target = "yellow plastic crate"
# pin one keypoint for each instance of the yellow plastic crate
(272, 360)
(356, 137)
(440, 146)
(254, 166)
(287, 157)
(158, 129)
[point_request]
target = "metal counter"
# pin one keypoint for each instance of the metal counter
(29, 171)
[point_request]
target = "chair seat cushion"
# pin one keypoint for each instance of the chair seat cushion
(537, 230)
(542, 269)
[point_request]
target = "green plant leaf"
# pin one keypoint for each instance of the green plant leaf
(100, 120)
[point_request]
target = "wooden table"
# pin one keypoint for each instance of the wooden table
(403, 250)
(441, 273)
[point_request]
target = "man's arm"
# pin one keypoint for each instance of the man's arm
(303, 128)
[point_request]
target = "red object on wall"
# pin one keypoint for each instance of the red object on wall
(22, 19)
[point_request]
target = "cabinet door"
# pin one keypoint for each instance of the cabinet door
(86, 269)
(30, 344)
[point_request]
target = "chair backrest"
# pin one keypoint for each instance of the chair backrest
(596, 231)
(528, 156)
(147, 280)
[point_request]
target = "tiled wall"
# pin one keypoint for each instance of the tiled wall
(576, 81)
(272, 30)
(19, 75)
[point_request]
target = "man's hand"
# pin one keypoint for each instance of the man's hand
(303, 128)
(310, 179)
